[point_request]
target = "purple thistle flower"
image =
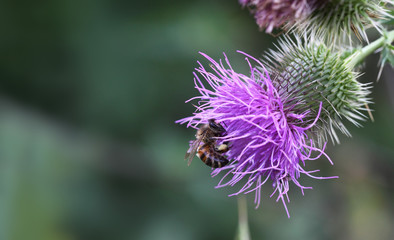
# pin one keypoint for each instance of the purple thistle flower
(271, 14)
(267, 139)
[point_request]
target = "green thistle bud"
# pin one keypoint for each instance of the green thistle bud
(308, 73)
(337, 19)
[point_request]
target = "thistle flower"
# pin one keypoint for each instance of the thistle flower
(268, 139)
(321, 80)
(270, 14)
(332, 20)
(339, 18)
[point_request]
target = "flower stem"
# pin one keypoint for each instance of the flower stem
(358, 56)
(243, 226)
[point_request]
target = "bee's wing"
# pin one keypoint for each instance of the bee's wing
(192, 151)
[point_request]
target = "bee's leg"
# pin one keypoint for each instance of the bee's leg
(222, 148)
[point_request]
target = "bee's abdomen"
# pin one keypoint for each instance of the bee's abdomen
(211, 157)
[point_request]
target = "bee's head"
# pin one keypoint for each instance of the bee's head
(216, 127)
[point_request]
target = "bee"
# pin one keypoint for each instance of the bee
(208, 152)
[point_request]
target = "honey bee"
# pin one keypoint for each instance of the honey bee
(208, 152)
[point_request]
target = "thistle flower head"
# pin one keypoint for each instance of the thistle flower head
(270, 14)
(310, 73)
(268, 140)
(337, 19)
(333, 20)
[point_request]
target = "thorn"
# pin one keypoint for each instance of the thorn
(369, 113)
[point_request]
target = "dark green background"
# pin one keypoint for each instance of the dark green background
(89, 92)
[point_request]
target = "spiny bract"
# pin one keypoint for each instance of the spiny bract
(337, 19)
(308, 72)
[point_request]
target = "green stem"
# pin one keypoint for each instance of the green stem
(243, 226)
(358, 56)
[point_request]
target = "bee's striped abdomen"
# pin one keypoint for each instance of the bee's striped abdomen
(211, 157)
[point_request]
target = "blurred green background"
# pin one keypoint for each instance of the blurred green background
(89, 92)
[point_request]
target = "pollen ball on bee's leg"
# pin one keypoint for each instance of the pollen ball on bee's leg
(222, 148)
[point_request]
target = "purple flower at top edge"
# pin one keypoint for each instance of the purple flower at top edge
(270, 14)
(267, 140)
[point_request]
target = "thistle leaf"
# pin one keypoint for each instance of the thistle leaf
(387, 55)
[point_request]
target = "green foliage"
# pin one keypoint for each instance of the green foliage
(386, 56)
